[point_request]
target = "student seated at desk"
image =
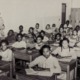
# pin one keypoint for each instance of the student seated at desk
(74, 38)
(11, 37)
(65, 54)
(5, 53)
(53, 29)
(39, 42)
(37, 29)
(70, 32)
(48, 29)
(43, 34)
(64, 51)
(21, 29)
(57, 39)
(31, 33)
(30, 43)
(19, 44)
(46, 61)
(77, 28)
(61, 29)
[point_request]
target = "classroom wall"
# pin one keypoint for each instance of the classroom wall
(75, 3)
(29, 12)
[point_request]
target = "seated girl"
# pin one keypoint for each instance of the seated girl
(31, 31)
(65, 54)
(5, 53)
(19, 44)
(43, 34)
(39, 42)
(46, 61)
(74, 38)
(64, 51)
(48, 29)
(70, 32)
(30, 43)
(57, 39)
(11, 37)
(61, 29)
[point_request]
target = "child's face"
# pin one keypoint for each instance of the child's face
(37, 26)
(24, 38)
(61, 30)
(58, 37)
(46, 52)
(47, 27)
(10, 33)
(74, 33)
(19, 38)
(65, 44)
(39, 40)
(70, 32)
(31, 30)
(21, 28)
(42, 34)
(4, 46)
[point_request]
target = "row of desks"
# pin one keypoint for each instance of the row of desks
(31, 55)
(26, 56)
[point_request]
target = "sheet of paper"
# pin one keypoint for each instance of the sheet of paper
(30, 71)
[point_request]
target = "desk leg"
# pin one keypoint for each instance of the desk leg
(11, 70)
(14, 71)
(75, 73)
(68, 73)
(55, 77)
(30, 58)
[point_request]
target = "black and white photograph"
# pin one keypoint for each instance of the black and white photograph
(39, 39)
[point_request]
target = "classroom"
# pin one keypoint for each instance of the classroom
(39, 39)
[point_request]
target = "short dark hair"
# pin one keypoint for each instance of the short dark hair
(42, 31)
(37, 24)
(19, 35)
(57, 35)
(42, 48)
(4, 41)
(48, 25)
(10, 31)
(31, 28)
(64, 39)
(53, 25)
(40, 37)
(21, 26)
(60, 28)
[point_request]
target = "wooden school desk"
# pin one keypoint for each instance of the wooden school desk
(24, 56)
(6, 78)
(23, 76)
(6, 66)
(68, 67)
